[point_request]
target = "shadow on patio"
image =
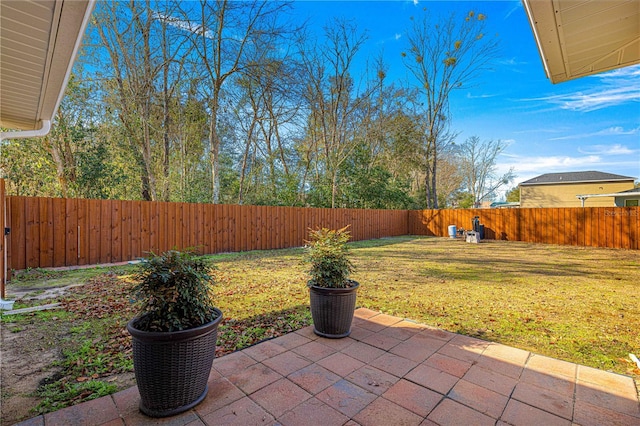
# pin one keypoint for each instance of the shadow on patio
(390, 371)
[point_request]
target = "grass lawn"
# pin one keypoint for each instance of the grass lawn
(572, 303)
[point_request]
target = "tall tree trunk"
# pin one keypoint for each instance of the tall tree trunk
(245, 159)
(334, 189)
(166, 122)
(60, 166)
(214, 145)
(147, 156)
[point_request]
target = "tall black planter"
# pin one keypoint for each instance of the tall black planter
(172, 368)
(332, 310)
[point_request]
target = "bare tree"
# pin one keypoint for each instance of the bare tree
(449, 178)
(175, 49)
(62, 142)
(266, 115)
(229, 37)
(478, 168)
(126, 35)
(444, 54)
(333, 98)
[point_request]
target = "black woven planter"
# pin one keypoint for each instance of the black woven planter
(172, 368)
(332, 310)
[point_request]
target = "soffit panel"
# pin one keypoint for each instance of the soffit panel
(24, 27)
(582, 37)
(37, 45)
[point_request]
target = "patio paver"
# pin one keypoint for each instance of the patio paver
(388, 371)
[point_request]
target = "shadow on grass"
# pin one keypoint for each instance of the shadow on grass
(236, 334)
(382, 242)
(491, 260)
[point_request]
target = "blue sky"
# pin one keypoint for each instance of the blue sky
(592, 123)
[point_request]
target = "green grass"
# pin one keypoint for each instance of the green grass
(577, 304)
(573, 303)
(60, 394)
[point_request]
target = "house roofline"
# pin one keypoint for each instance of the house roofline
(627, 179)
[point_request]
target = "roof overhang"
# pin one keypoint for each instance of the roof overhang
(38, 45)
(624, 195)
(577, 38)
(614, 194)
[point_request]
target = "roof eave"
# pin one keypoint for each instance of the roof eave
(68, 24)
(576, 182)
(554, 24)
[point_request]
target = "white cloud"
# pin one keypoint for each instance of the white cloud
(516, 7)
(543, 130)
(610, 131)
(511, 62)
(470, 96)
(586, 102)
(526, 167)
(556, 163)
(395, 37)
(183, 24)
(607, 150)
(627, 72)
(618, 87)
(617, 130)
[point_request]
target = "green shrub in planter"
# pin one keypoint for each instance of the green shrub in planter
(174, 292)
(332, 295)
(327, 252)
(175, 334)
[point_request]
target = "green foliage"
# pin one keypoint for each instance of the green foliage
(174, 289)
(59, 395)
(327, 252)
(465, 200)
(319, 193)
(28, 168)
(370, 185)
(136, 125)
(513, 195)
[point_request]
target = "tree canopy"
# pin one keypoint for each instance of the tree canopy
(230, 102)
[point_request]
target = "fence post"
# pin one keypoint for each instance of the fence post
(3, 241)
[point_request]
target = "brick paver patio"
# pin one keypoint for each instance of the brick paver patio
(389, 372)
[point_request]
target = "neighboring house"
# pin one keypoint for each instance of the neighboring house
(563, 190)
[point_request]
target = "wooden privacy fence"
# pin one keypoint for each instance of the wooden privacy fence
(612, 227)
(52, 232)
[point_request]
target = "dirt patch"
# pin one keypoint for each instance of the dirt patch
(28, 356)
(30, 350)
(40, 293)
(28, 353)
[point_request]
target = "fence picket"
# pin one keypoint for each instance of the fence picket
(57, 232)
(46, 232)
(116, 231)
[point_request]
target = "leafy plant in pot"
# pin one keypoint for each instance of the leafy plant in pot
(175, 332)
(332, 294)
